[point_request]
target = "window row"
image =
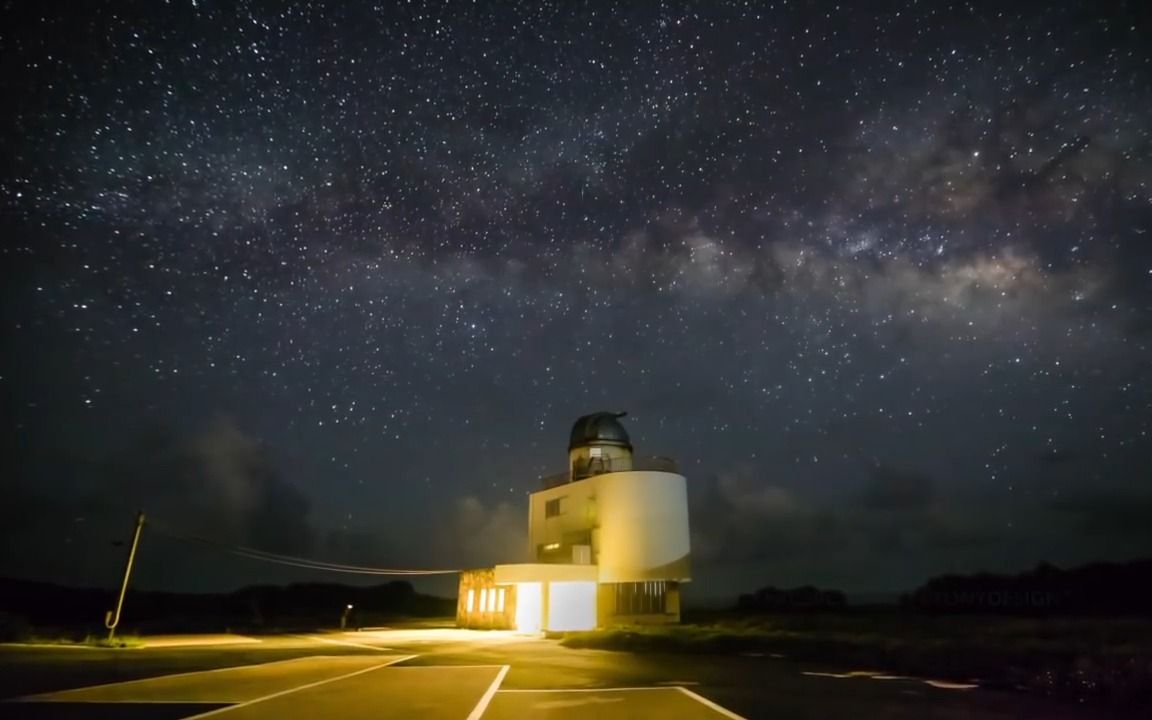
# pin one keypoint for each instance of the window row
(491, 600)
(641, 598)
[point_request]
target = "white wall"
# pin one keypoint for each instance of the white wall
(579, 513)
(571, 605)
(643, 526)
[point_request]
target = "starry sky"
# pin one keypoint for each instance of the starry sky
(334, 279)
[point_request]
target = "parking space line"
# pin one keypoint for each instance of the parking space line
(482, 705)
(708, 703)
(449, 665)
(298, 688)
(349, 643)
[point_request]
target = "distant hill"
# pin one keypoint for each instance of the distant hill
(1094, 589)
(806, 598)
(311, 605)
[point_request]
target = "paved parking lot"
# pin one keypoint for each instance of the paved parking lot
(470, 675)
(354, 687)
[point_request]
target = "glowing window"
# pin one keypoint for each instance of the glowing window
(500, 600)
(471, 600)
(484, 600)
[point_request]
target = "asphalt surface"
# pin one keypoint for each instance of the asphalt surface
(465, 674)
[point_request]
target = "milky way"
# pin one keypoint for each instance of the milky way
(328, 278)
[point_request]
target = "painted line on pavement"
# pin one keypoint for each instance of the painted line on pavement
(482, 705)
(449, 665)
(298, 688)
(949, 685)
(708, 703)
(349, 643)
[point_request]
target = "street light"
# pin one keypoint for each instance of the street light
(344, 616)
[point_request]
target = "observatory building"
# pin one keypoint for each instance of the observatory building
(608, 539)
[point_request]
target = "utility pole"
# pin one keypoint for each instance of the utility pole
(112, 618)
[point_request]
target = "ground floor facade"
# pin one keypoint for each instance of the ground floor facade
(538, 597)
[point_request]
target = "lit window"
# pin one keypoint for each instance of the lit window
(484, 600)
(500, 600)
(552, 546)
(595, 452)
(471, 599)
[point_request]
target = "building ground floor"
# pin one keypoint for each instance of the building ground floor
(538, 597)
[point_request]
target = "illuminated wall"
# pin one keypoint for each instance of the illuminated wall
(481, 604)
(571, 606)
(529, 607)
(643, 533)
(552, 531)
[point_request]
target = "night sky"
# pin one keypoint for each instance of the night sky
(335, 280)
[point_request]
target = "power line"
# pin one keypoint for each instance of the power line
(290, 560)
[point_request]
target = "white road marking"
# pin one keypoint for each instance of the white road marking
(559, 704)
(850, 674)
(298, 688)
(349, 643)
(945, 685)
(482, 705)
(708, 703)
(172, 641)
(441, 667)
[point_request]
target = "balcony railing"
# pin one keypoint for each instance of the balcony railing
(603, 466)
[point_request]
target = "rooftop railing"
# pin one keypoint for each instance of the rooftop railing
(604, 466)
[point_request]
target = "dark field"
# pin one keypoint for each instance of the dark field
(1104, 661)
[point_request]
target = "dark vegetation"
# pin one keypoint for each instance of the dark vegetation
(34, 609)
(1095, 589)
(1083, 634)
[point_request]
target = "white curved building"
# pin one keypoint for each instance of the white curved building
(609, 536)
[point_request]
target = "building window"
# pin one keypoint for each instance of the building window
(484, 600)
(500, 600)
(595, 452)
(552, 508)
(471, 599)
(641, 598)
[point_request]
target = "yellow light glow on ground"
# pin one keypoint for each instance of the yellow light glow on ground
(572, 606)
(529, 606)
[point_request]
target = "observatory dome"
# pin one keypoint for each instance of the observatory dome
(599, 429)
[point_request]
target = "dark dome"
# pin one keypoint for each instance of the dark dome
(602, 428)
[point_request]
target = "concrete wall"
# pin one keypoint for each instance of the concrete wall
(580, 515)
(643, 532)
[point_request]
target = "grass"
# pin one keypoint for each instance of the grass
(1084, 659)
(129, 640)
